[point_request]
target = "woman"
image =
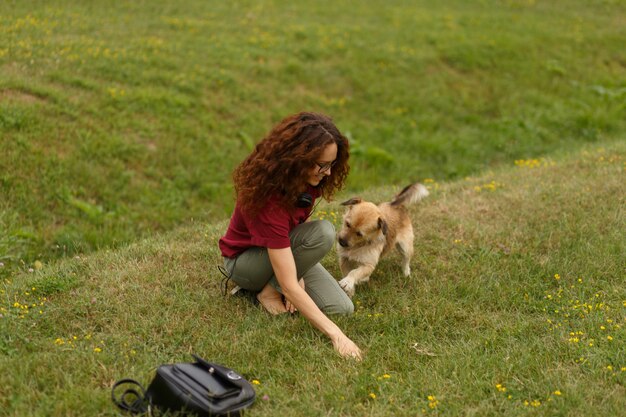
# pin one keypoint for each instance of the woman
(270, 247)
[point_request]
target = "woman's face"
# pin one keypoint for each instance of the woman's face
(323, 166)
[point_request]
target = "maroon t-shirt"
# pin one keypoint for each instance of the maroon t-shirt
(269, 229)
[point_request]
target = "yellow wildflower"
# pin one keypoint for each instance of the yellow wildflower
(432, 402)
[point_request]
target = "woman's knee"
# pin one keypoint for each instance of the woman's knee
(345, 308)
(326, 233)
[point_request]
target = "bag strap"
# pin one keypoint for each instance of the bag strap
(136, 406)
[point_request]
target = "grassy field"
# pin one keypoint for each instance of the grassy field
(516, 306)
(120, 125)
(119, 119)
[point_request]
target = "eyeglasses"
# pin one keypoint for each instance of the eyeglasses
(325, 166)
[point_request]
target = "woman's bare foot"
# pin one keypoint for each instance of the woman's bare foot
(271, 300)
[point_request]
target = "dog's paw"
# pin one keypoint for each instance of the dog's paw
(348, 286)
(407, 271)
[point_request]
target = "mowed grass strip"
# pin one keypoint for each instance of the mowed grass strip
(516, 305)
(118, 120)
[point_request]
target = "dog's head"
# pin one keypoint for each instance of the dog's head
(362, 224)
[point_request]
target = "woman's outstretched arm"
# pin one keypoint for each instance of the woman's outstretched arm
(284, 267)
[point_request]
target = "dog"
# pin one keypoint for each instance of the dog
(369, 231)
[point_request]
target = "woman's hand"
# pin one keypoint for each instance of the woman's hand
(347, 348)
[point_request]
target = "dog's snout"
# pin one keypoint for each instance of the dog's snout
(343, 242)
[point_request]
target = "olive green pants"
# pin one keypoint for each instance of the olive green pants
(310, 242)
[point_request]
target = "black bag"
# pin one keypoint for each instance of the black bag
(201, 388)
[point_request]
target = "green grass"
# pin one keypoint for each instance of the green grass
(517, 284)
(118, 120)
(121, 123)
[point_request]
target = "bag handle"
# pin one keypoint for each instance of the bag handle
(136, 406)
(225, 374)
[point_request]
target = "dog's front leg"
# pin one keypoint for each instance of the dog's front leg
(345, 265)
(355, 277)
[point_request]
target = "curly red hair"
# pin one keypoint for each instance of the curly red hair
(280, 163)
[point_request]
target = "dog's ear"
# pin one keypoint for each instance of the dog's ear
(352, 202)
(382, 225)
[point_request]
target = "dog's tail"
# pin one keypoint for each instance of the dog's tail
(410, 195)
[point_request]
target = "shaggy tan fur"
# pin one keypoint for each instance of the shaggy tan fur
(369, 231)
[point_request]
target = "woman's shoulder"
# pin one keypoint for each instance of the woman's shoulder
(274, 207)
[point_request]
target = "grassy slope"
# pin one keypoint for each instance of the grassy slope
(483, 307)
(118, 120)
